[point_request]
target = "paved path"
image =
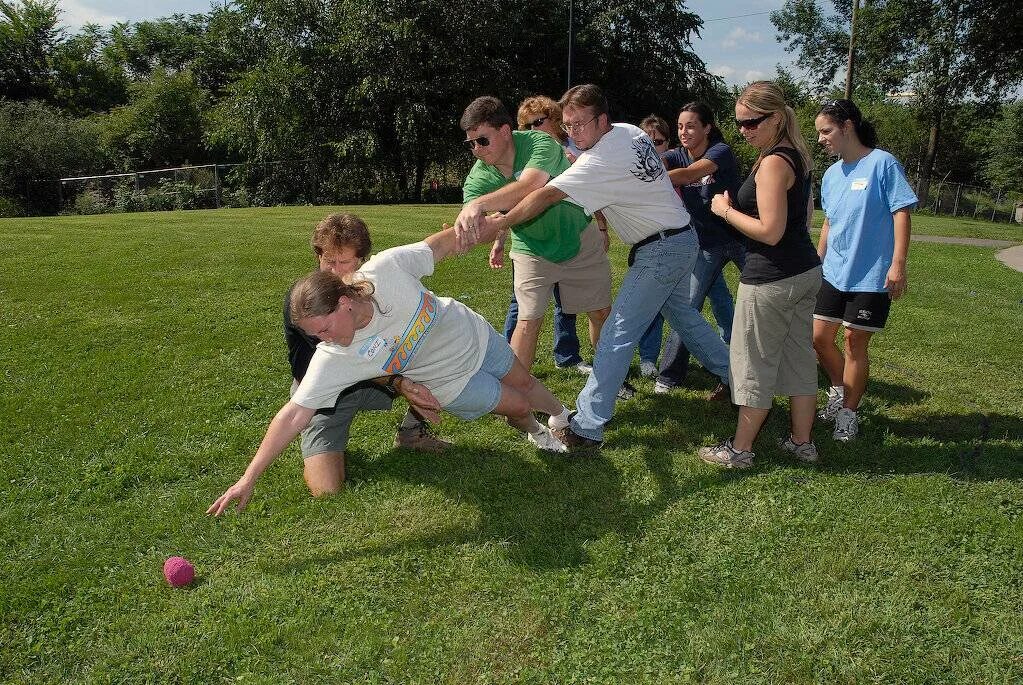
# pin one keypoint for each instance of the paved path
(1011, 256)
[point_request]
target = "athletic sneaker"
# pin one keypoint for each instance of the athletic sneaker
(545, 440)
(419, 437)
(847, 425)
(577, 443)
(648, 369)
(721, 393)
(661, 388)
(627, 391)
(836, 396)
(806, 451)
(725, 455)
(581, 367)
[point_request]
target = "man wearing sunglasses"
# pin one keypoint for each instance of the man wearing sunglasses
(621, 174)
(546, 249)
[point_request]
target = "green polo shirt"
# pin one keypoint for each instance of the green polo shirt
(554, 234)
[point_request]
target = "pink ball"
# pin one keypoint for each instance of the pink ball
(178, 571)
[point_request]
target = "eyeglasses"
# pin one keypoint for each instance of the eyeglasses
(752, 123)
(536, 122)
(471, 144)
(572, 128)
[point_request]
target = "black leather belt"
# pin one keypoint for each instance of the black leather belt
(660, 235)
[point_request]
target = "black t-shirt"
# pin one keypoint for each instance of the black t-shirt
(794, 254)
(696, 195)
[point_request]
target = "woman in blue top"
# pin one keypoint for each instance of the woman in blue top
(863, 245)
(702, 167)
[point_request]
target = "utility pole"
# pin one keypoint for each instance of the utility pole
(570, 32)
(851, 64)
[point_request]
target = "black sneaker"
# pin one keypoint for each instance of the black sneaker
(627, 391)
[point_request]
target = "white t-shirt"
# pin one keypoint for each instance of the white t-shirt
(436, 341)
(623, 176)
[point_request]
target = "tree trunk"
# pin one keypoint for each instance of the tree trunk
(923, 187)
(420, 172)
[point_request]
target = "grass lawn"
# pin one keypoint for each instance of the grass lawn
(957, 227)
(142, 357)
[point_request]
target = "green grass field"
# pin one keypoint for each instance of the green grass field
(142, 358)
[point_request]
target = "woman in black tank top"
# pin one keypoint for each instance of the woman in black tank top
(772, 335)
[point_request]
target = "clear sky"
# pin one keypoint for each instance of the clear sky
(736, 47)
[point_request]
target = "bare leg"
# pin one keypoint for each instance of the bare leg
(857, 366)
(536, 393)
(514, 406)
(597, 319)
(523, 341)
(324, 473)
(750, 421)
(804, 407)
(828, 355)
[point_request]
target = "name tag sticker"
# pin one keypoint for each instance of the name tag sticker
(372, 347)
(858, 184)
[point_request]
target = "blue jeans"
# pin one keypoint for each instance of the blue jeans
(566, 340)
(658, 281)
(706, 281)
(650, 343)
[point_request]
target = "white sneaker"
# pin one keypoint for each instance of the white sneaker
(584, 368)
(847, 425)
(648, 369)
(545, 440)
(836, 396)
(661, 388)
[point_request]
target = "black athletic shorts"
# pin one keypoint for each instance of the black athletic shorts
(866, 311)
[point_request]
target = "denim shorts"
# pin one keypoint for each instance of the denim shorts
(483, 391)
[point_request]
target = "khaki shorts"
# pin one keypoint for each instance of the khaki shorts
(772, 340)
(584, 280)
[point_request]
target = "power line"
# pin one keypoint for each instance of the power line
(737, 16)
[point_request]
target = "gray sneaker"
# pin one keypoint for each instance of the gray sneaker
(726, 455)
(806, 451)
(836, 396)
(662, 388)
(847, 425)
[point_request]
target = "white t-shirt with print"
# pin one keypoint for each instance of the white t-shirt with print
(436, 341)
(623, 176)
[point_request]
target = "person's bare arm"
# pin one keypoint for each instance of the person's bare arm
(284, 427)
(895, 281)
(693, 172)
(774, 178)
(502, 199)
(822, 243)
(531, 206)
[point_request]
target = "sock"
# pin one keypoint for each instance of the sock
(410, 421)
(559, 421)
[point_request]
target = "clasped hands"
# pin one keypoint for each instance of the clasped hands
(473, 227)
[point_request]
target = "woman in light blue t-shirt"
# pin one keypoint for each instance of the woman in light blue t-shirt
(863, 246)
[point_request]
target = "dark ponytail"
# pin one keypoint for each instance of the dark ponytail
(841, 111)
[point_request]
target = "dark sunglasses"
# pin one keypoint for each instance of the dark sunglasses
(752, 123)
(537, 122)
(471, 144)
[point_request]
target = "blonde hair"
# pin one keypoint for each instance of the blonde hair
(541, 106)
(765, 97)
(317, 294)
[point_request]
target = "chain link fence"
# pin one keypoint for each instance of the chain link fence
(960, 199)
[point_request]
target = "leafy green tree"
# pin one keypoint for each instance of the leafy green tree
(1003, 166)
(29, 32)
(161, 125)
(85, 78)
(945, 52)
(40, 142)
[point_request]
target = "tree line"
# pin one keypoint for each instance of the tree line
(365, 95)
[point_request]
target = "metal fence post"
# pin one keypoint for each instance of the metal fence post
(216, 186)
(955, 205)
(994, 207)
